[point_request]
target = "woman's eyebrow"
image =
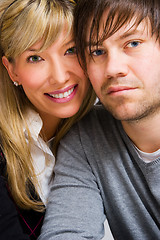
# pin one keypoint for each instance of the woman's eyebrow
(69, 42)
(32, 50)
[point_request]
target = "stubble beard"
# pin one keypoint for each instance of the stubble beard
(142, 112)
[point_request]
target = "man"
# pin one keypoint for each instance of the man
(109, 163)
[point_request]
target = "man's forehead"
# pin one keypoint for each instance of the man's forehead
(130, 27)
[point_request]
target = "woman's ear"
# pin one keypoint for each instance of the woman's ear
(10, 69)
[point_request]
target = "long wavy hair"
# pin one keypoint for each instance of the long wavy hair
(22, 24)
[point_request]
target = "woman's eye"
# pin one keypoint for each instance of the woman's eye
(133, 44)
(71, 51)
(34, 59)
(97, 52)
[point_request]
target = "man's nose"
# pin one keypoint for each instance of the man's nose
(116, 65)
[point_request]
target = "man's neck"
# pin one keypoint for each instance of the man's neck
(144, 133)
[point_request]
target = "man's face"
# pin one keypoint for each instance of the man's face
(125, 72)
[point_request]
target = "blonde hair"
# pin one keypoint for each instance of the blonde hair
(22, 24)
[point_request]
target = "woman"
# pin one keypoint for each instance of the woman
(43, 91)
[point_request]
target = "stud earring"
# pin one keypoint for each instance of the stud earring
(16, 83)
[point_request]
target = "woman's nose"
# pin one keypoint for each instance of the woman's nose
(59, 72)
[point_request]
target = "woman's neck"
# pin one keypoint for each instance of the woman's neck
(50, 125)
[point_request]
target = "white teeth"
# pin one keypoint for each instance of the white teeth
(62, 95)
(65, 94)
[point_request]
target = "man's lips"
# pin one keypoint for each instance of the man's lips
(116, 89)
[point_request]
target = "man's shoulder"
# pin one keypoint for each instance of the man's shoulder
(97, 121)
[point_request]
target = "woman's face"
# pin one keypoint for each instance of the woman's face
(52, 80)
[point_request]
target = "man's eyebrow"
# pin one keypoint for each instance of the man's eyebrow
(92, 43)
(126, 34)
(129, 33)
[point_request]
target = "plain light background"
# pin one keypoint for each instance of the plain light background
(108, 234)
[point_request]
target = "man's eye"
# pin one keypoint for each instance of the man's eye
(133, 44)
(34, 59)
(71, 51)
(97, 52)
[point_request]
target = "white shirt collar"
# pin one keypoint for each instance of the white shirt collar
(34, 123)
(39, 149)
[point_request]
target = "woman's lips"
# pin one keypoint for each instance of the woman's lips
(62, 90)
(65, 95)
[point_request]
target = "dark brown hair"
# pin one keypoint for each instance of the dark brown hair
(119, 12)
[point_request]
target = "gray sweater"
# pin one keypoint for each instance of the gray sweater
(98, 174)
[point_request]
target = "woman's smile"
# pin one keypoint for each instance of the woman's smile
(62, 96)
